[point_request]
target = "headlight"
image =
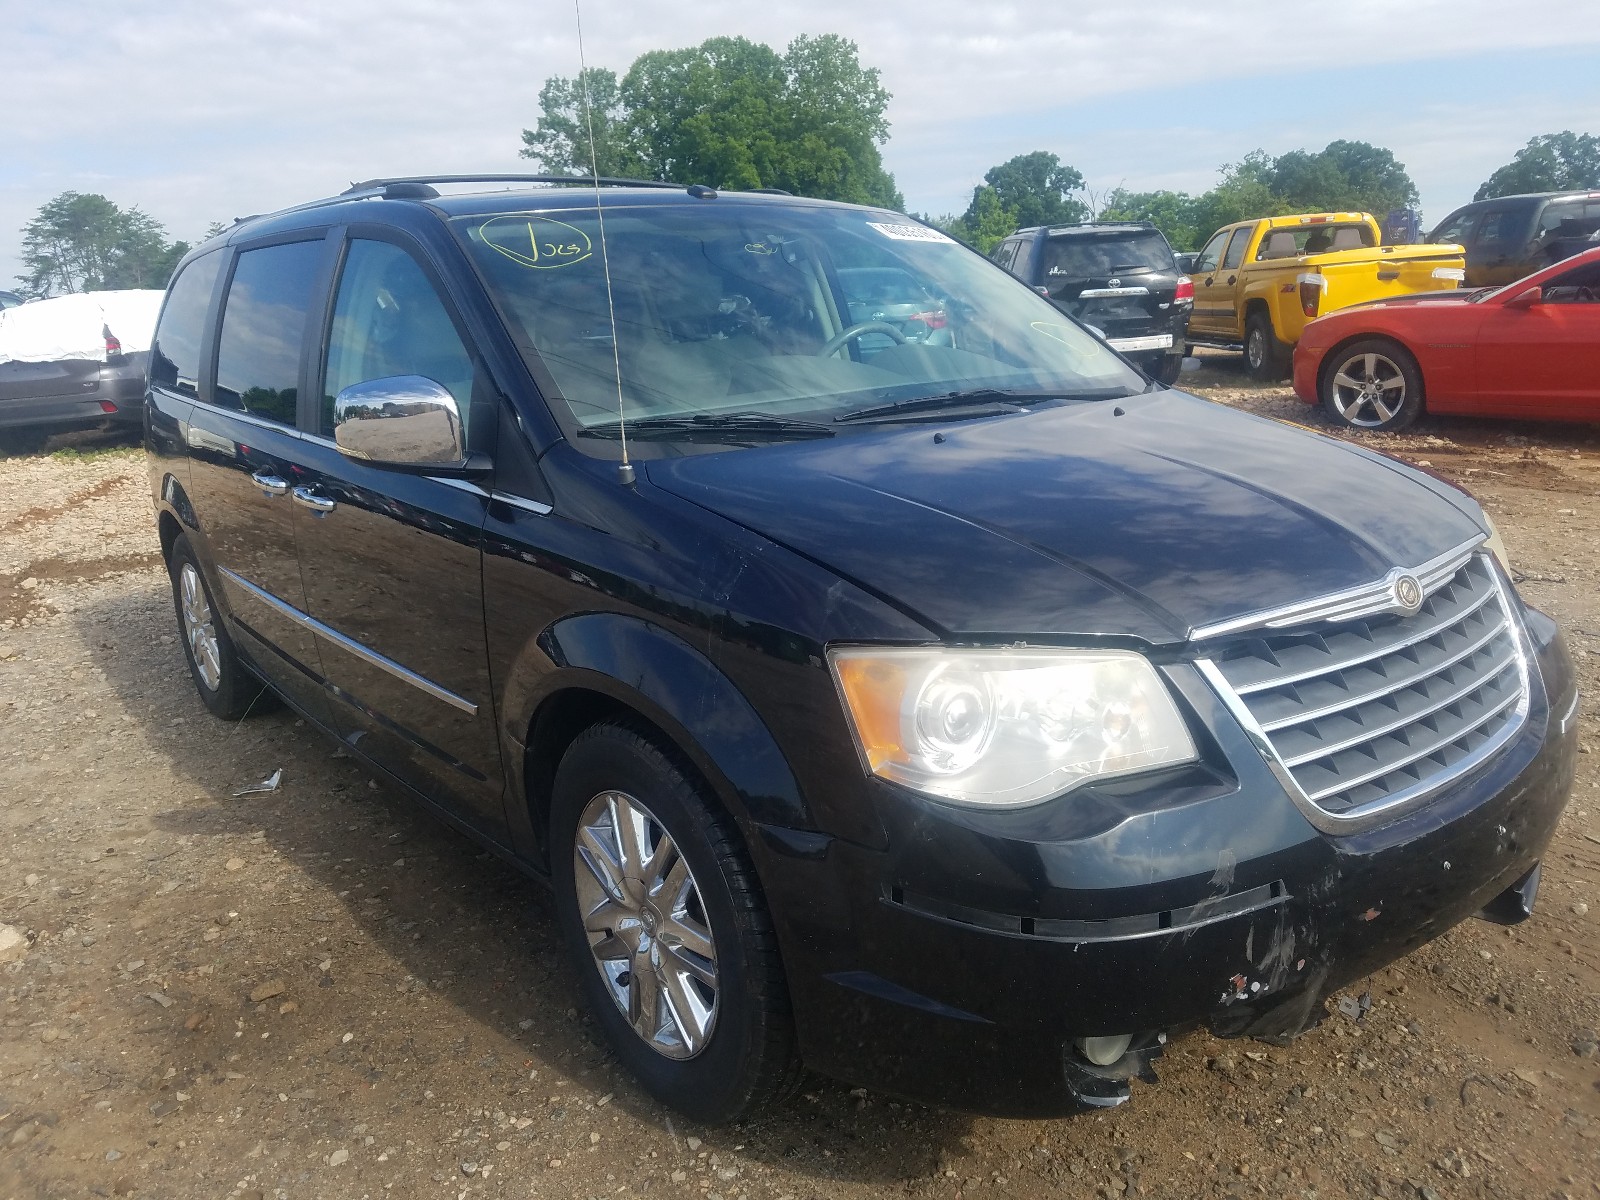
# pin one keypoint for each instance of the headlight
(1496, 546)
(1006, 727)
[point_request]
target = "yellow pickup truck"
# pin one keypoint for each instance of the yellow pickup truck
(1257, 283)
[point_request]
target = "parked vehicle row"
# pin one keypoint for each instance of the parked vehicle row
(1528, 349)
(952, 716)
(73, 361)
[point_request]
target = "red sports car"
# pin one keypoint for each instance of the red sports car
(1529, 349)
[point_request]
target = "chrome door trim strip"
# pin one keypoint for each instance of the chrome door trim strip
(249, 418)
(366, 655)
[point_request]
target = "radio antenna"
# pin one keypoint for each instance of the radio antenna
(625, 468)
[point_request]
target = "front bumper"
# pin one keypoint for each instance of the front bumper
(1306, 364)
(957, 967)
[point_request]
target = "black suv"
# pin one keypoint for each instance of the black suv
(952, 718)
(1120, 279)
(1512, 236)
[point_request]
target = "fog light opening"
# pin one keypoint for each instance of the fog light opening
(1104, 1051)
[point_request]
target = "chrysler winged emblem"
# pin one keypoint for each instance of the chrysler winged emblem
(1407, 593)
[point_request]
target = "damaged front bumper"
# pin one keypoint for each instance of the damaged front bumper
(960, 967)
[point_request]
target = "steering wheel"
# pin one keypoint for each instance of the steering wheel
(845, 336)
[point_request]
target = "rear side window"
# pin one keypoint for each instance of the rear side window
(175, 353)
(1235, 254)
(1574, 218)
(1101, 255)
(1503, 230)
(388, 321)
(263, 328)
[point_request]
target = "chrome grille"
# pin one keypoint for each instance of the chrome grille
(1363, 714)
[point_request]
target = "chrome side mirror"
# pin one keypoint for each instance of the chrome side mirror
(404, 421)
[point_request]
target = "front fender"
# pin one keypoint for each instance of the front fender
(652, 671)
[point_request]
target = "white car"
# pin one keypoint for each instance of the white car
(73, 361)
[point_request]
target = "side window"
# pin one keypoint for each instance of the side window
(1022, 265)
(1458, 229)
(1556, 212)
(1235, 255)
(388, 320)
(1207, 259)
(1503, 230)
(263, 324)
(175, 352)
(1581, 285)
(1005, 254)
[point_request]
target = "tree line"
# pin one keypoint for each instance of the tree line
(812, 120)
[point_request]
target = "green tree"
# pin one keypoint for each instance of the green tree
(1035, 188)
(1343, 177)
(1551, 162)
(987, 221)
(83, 242)
(1171, 212)
(1243, 191)
(560, 141)
(731, 113)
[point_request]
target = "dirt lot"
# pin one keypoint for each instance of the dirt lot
(320, 992)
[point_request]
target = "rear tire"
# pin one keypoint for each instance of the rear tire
(1168, 370)
(226, 688)
(1265, 358)
(690, 991)
(1372, 384)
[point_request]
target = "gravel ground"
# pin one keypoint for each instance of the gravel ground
(320, 992)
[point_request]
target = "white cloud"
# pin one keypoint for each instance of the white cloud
(198, 110)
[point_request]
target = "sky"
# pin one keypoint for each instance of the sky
(201, 110)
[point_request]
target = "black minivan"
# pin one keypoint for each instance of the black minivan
(957, 718)
(1122, 280)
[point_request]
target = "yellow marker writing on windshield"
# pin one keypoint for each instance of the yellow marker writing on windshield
(540, 243)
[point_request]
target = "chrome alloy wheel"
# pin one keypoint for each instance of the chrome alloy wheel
(1368, 390)
(646, 924)
(199, 628)
(1255, 348)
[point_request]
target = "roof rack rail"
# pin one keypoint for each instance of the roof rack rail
(408, 187)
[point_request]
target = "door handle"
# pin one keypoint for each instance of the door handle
(270, 483)
(1208, 281)
(1232, 278)
(305, 497)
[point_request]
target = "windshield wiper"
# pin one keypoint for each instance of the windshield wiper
(980, 402)
(986, 402)
(666, 427)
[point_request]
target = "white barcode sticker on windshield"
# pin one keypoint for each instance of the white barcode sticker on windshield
(909, 233)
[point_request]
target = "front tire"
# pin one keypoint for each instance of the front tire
(226, 688)
(670, 934)
(1372, 384)
(1265, 358)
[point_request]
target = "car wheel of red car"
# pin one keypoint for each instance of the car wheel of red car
(1372, 384)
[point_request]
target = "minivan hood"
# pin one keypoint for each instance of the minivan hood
(1143, 518)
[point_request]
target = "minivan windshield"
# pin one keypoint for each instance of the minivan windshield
(775, 315)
